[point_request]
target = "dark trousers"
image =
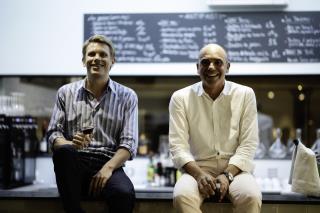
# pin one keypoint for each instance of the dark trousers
(73, 175)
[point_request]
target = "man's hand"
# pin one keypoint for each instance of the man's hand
(99, 181)
(206, 184)
(224, 186)
(81, 140)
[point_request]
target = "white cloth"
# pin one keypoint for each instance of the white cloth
(304, 175)
(201, 128)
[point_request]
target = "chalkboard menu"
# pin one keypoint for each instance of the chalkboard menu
(249, 37)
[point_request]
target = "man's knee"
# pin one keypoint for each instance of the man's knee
(248, 198)
(121, 192)
(179, 199)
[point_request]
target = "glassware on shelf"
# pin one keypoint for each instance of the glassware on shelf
(163, 145)
(12, 105)
(316, 145)
(278, 149)
(261, 151)
(17, 103)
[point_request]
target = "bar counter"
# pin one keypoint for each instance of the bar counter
(45, 198)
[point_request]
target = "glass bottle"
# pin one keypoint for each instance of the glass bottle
(278, 149)
(261, 151)
(150, 171)
(163, 145)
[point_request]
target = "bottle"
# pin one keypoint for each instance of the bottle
(278, 150)
(316, 145)
(163, 146)
(150, 172)
(261, 151)
(143, 148)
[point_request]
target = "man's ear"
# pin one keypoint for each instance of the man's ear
(198, 68)
(113, 62)
(228, 67)
(83, 64)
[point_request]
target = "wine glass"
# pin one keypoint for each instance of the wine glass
(87, 126)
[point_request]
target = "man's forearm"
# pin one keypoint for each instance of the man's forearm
(119, 158)
(60, 141)
(192, 169)
(234, 170)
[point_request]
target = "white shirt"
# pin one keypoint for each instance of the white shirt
(201, 128)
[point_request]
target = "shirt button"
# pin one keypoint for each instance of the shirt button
(218, 153)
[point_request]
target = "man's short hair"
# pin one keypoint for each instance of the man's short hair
(98, 39)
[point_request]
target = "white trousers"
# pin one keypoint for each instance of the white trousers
(244, 192)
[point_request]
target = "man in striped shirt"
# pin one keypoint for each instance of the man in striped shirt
(90, 163)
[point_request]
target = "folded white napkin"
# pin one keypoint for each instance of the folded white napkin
(304, 175)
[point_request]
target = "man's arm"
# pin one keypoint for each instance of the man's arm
(56, 127)
(129, 133)
(249, 135)
(248, 140)
(206, 183)
(79, 141)
(100, 179)
(179, 132)
(127, 146)
(57, 122)
(180, 148)
(224, 181)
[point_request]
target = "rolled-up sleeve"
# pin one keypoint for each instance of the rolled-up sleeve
(248, 138)
(57, 122)
(178, 132)
(129, 134)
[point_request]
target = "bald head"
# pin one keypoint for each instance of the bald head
(213, 49)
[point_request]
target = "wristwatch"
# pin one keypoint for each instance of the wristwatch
(228, 175)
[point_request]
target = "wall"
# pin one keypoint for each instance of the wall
(42, 37)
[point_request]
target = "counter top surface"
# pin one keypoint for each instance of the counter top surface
(39, 191)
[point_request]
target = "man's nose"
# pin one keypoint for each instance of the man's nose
(211, 65)
(97, 57)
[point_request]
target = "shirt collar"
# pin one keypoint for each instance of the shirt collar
(226, 89)
(110, 85)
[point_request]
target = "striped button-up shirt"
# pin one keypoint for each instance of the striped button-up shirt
(114, 117)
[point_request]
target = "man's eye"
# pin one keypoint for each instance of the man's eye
(91, 54)
(218, 63)
(205, 62)
(102, 55)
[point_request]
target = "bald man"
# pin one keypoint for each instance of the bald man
(213, 135)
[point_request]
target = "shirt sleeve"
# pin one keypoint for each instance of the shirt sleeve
(56, 126)
(249, 136)
(129, 134)
(179, 132)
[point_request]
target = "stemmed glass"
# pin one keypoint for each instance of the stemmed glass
(87, 126)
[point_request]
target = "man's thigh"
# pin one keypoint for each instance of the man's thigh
(119, 184)
(187, 186)
(244, 184)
